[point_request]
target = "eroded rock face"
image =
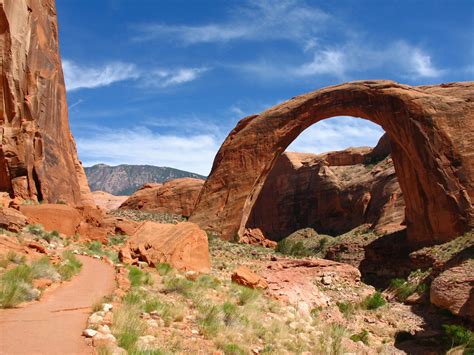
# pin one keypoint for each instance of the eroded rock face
(184, 246)
(332, 193)
(38, 159)
(434, 165)
(454, 290)
(176, 196)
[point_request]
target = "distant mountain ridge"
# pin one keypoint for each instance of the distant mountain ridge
(125, 179)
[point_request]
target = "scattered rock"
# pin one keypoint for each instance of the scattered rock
(11, 219)
(246, 277)
(254, 236)
(89, 333)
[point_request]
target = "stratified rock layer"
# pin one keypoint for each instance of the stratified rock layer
(332, 193)
(431, 129)
(176, 196)
(38, 157)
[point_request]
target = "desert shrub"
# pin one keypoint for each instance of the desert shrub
(116, 239)
(128, 327)
(207, 281)
(38, 231)
(373, 301)
(15, 286)
(457, 335)
(230, 312)
(246, 295)
(139, 277)
(179, 285)
(15, 258)
(289, 247)
(363, 336)
(232, 349)
(69, 267)
(134, 297)
(42, 268)
(346, 308)
(168, 312)
(95, 247)
(209, 319)
(402, 289)
(164, 268)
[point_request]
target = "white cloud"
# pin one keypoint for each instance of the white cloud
(79, 77)
(337, 133)
(256, 20)
(82, 77)
(396, 59)
(193, 153)
(165, 77)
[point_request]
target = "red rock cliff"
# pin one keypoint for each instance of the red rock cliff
(38, 158)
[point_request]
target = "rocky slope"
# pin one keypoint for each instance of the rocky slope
(38, 159)
(176, 196)
(126, 179)
(332, 193)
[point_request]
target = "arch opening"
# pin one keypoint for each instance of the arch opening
(335, 176)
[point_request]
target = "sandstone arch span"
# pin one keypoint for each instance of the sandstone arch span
(432, 134)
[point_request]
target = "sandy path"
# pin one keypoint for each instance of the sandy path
(54, 324)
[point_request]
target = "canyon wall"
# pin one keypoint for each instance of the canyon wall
(38, 159)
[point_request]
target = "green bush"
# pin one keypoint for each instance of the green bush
(363, 336)
(69, 267)
(289, 247)
(207, 281)
(179, 285)
(42, 268)
(117, 239)
(209, 320)
(402, 289)
(246, 295)
(374, 301)
(346, 308)
(457, 335)
(164, 268)
(139, 277)
(128, 327)
(15, 286)
(230, 312)
(232, 349)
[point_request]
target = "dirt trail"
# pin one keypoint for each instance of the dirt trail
(54, 325)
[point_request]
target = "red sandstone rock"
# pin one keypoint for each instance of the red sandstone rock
(256, 237)
(108, 201)
(42, 283)
(305, 190)
(38, 159)
(434, 166)
(62, 218)
(294, 281)
(454, 290)
(36, 246)
(184, 246)
(176, 196)
(246, 277)
(11, 219)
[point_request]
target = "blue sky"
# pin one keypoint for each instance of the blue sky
(162, 82)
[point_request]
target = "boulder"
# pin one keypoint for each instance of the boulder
(255, 237)
(176, 196)
(38, 159)
(453, 290)
(246, 277)
(11, 219)
(62, 218)
(184, 246)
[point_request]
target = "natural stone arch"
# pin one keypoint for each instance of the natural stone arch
(432, 133)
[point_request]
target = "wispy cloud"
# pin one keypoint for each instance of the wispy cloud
(167, 77)
(83, 77)
(397, 59)
(143, 146)
(256, 20)
(337, 133)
